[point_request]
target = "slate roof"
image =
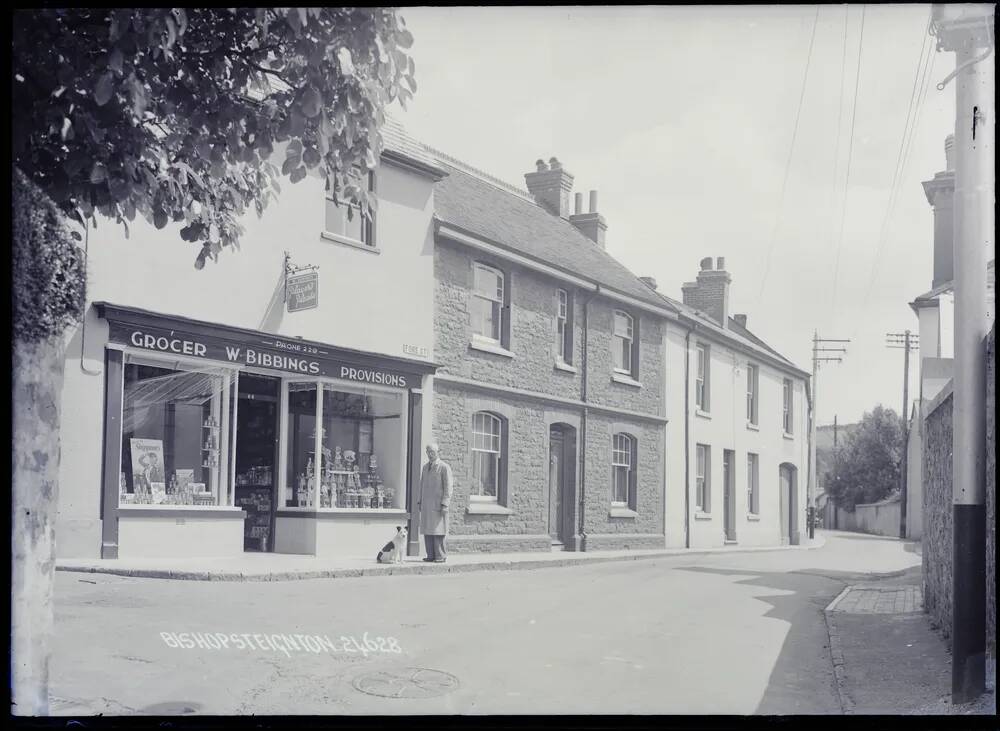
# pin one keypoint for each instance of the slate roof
(735, 332)
(513, 222)
(476, 203)
(395, 139)
(949, 286)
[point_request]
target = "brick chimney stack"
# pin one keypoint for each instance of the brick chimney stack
(710, 293)
(550, 185)
(940, 192)
(592, 224)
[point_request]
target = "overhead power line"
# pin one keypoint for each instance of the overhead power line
(903, 159)
(850, 152)
(788, 162)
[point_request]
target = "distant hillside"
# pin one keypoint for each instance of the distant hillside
(824, 435)
(824, 445)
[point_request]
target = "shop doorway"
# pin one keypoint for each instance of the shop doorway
(729, 494)
(257, 458)
(562, 450)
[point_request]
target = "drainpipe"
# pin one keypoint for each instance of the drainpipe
(583, 418)
(687, 440)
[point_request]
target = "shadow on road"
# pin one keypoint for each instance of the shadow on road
(802, 680)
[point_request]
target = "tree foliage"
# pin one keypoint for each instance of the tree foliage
(48, 267)
(174, 113)
(865, 466)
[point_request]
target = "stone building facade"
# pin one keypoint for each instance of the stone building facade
(554, 426)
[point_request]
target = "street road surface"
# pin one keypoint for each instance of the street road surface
(732, 633)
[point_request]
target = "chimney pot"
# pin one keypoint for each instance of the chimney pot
(741, 320)
(720, 263)
(593, 201)
(578, 204)
(949, 153)
(551, 185)
(710, 292)
(649, 282)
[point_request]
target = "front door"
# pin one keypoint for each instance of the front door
(557, 475)
(729, 494)
(785, 495)
(257, 458)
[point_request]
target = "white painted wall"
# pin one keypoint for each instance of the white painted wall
(930, 333)
(376, 302)
(725, 427)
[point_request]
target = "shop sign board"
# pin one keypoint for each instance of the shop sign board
(260, 351)
(302, 291)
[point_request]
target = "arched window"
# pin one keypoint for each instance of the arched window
(623, 461)
(487, 302)
(487, 443)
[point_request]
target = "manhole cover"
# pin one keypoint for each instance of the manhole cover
(406, 683)
(171, 708)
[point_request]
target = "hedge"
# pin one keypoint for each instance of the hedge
(49, 279)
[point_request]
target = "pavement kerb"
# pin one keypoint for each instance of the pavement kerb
(342, 573)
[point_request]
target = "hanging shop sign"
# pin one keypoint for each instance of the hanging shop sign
(302, 291)
(301, 285)
(261, 350)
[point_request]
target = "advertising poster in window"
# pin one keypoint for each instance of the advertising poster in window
(147, 464)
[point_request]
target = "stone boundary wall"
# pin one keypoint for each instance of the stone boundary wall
(936, 546)
(937, 508)
(878, 519)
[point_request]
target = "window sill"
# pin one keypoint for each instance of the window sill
(388, 512)
(752, 427)
(353, 243)
(179, 511)
(786, 435)
(625, 380)
(702, 414)
(560, 366)
(702, 516)
(487, 508)
(489, 346)
(620, 511)
(753, 516)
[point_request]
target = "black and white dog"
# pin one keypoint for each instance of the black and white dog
(392, 552)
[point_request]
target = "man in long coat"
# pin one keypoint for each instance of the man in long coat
(433, 503)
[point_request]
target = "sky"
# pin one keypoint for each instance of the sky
(682, 118)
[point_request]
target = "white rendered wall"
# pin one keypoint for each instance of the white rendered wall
(725, 427)
(374, 302)
(179, 537)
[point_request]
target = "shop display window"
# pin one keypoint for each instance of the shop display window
(360, 463)
(176, 434)
(300, 484)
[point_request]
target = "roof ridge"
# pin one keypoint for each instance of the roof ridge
(481, 174)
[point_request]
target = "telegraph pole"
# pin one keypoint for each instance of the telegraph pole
(967, 31)
(908, 342)
(817, 358)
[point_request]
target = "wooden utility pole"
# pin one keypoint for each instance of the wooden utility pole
(907, 341)
(967, 31)
(817, 358)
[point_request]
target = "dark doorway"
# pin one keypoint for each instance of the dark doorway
(787, 480)
(257, 458)
(729, 494)
(562, 451)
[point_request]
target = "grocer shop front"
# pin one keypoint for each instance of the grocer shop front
(220, 440)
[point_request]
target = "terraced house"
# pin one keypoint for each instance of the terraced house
(549, 401)
(737, 446)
